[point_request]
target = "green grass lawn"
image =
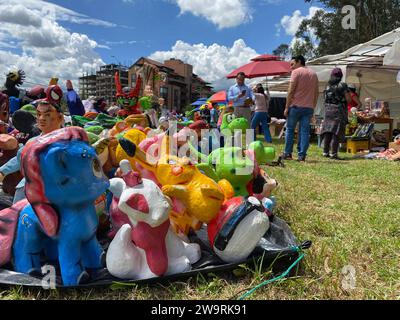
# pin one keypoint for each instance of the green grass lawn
(350, 210)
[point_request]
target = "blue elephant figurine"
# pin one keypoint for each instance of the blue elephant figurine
(58, 220)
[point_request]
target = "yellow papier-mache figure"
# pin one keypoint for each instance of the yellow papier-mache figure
(197, 198)
(135, 136)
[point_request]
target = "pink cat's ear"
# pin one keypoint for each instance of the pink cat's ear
(130, 177)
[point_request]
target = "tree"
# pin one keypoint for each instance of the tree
(322, 34)
(281, 51)
(373, 18)
(301, 47)
(298, 47)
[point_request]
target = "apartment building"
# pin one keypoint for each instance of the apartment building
(102, 84)
(172, 80)
(87, 86)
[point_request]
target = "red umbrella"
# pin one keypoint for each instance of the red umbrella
(218, 97)
(263, 66)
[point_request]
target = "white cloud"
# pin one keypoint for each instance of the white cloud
(212, 63)
(222, 13)
(43, 47)
(292, 23)
(120, 43)
(56, 12)
(19, 14)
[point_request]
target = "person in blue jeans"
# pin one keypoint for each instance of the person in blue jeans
(301, 102)
(261, 101)
(303, 117)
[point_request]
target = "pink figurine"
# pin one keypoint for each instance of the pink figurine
(145, 246)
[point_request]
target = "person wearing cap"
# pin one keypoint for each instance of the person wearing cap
(300, 104)
(355, 100)
(49, 118)
(336, 97)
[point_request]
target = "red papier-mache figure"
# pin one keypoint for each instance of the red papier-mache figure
(129, 102)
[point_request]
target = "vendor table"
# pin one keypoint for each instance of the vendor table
(388, 121)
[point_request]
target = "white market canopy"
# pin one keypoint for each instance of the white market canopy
(383, 51)
(280, 83)
(372, 66)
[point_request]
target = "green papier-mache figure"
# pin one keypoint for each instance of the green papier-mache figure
(230, 122)
(94, 129)
(234, 164)
(228, 163)
(93, 138)
(107, 121)
(264, 155)
(80, 121)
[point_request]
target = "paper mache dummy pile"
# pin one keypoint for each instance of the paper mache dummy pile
(153, 202)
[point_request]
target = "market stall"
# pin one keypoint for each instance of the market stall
(373, 68)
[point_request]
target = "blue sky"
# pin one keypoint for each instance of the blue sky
(156, 25)
(64, 38)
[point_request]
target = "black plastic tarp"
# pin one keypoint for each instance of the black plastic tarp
(278, 247)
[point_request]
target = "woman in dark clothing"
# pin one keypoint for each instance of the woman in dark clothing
(337, 95)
